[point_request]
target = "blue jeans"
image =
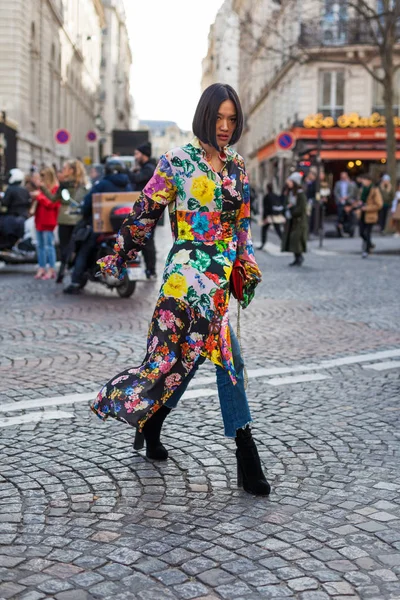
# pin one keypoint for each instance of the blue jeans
(45, 249)
(232, 398)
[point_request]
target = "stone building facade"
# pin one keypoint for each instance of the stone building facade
(115, 106)
(50, 52)
(221, 65)
(294, 77)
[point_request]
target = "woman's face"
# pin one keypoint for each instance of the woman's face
(67, 172)
(289, 183)
(226, 123)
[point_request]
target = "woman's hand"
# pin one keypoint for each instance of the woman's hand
(112, 265)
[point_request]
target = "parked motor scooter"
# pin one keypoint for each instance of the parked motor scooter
(104, 246)
(19, 251)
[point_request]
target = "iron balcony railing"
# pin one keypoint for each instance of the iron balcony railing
(340, 32)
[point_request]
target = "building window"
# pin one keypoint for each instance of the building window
(380, 6)
(378, 104)
(334, 22)
(331, 93)
(33, 78)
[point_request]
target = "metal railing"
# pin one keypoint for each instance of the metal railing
(341, 32)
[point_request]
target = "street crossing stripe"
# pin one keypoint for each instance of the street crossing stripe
(35, 418)
(325, 364)
(297, 379)
(196, 392)
(384, 366)
(75, 398)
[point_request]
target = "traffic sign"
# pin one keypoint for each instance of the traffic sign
(285, 140)
(91, 136)
(62, 136)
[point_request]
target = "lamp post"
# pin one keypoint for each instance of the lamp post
(321, 205)
(3, 144)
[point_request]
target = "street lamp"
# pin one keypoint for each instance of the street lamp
(99, 122)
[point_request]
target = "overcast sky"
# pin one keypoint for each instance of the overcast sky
(169, 40)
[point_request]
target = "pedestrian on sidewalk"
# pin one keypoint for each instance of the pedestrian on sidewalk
(74, 180)
(46, 215)
(370, 203)
(296, 228)
(345, 193)
(14, 208)
(387, 193)
(206, 188)
(395, 211)
(310, 190)
(272, 214)
(139, 177)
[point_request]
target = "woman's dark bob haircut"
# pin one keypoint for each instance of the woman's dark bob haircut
(205, 117)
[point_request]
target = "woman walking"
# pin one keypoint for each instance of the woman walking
(73, 178)
(387, 193)
(45, 222)
(370, 203)
(296, 229)
(206, 188)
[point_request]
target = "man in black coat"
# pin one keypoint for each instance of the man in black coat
(139, 177)
(272, 207)
(14, 207)
(115, 180)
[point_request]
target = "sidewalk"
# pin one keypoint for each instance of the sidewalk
(385, 244)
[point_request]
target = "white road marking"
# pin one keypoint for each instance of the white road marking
(352, 360)
(75, 398)
(196, 392)
(296, 379)
(325, 364)
(35, 418)
(384, 366)
(42, 402)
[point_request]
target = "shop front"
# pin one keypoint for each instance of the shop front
(349, 143)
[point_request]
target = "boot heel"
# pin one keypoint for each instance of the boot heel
(250, 474)
(139, 440)
(239, 475)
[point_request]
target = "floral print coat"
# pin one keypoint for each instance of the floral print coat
(210, 219)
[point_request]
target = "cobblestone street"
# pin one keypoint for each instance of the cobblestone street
(84, 516)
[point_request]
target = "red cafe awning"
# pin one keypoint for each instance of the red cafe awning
(337, 134)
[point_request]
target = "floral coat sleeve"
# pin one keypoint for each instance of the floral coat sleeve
(137, 227)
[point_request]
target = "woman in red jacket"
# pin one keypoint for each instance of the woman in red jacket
(45, 222)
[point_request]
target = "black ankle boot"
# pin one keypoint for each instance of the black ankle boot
(151, 433)
(250, 475)
(60, 275)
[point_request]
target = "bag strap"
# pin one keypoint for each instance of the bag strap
(239, 337)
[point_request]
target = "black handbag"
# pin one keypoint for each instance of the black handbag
(81, 233)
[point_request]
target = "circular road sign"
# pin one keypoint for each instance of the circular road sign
(91, 136)
(62, 136)
(285, 140)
